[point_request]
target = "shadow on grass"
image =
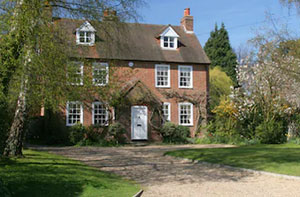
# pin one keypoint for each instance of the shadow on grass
(43, 174)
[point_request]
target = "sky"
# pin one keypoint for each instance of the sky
(242, 18)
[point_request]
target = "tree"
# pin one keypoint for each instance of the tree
(219, 50)
(290, 3)
(220, 85)
(34, 54)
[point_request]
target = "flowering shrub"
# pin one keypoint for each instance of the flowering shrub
(262, 107)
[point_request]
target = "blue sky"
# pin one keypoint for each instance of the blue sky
(241, 17)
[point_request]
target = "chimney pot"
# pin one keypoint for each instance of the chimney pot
(187, 12)
(105, 12)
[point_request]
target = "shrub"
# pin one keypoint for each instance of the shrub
(76, 133)
(271, 132)
(116, 133)
(173, 133)
(97, 135)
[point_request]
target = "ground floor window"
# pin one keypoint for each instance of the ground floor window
(185, 114)
(74, 113)
(167, 111)
(100, 114)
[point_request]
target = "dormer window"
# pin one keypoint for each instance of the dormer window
(85, 34)
(169, 39)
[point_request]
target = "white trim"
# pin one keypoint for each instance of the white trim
(93, 113)
(186, 31)
(191, 76)
(107, 72)
(169, 74)
(169, 110)
(132, 122)
(192, 114)
(169, 32)
(67, 112)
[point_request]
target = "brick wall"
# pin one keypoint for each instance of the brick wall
(145, 72)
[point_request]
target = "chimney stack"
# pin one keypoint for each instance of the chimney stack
(188, 21)
(109, 14)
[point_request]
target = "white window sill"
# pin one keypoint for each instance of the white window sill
(163, 86)
(85, 44)
(100, 85)
(170, 49)
(187, 125)
(184, 87)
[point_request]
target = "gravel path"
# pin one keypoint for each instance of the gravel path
(167, 176)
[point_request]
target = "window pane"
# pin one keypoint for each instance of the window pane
(100, 74)
(185, 77)
(185, 114)
(74, 113)
(75, 73)
(100, 114)
(162, 74)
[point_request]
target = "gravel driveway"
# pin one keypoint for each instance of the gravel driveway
(166, 176)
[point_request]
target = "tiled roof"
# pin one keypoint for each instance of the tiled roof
(135, 41)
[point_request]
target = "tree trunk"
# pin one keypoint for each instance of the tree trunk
(14, 142)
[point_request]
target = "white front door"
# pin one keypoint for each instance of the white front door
(139, 119)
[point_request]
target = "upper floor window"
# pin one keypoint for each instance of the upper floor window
(100, 114)
(169, 39)
(75, 73)
(185, 76)
(162, 76)
(167, 111)
(169, 42)
(74, 113)
(185, 114)
(100, 73)
(85, 37)
(85, 34)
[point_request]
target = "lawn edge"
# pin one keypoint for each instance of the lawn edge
(259, 172)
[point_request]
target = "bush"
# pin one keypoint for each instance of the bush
(271, 132)
(116, 133)
(76, 133)
(96, 135)
(173, 133)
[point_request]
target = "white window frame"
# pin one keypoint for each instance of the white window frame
(93, 114)
(162, 41)
(67, 112)
(191, 117)
(101, 64)
(81, 73)
(191, 76)
(169, 74)
(169, 110)
(92, 38)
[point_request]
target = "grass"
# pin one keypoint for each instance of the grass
(282, 159)
(44, 174)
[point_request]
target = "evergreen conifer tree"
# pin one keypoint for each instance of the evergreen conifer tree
(219, 50)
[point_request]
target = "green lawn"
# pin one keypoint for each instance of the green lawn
(44, 174)
(283, 159)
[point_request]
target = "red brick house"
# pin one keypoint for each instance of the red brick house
(166, 62)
